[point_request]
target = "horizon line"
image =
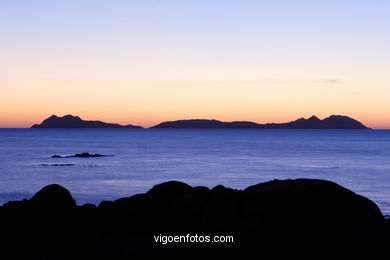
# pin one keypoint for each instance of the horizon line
(18, 125)
(208, 119)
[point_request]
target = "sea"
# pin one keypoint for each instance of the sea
(138, 159)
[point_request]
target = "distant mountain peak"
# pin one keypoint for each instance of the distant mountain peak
(313, 117)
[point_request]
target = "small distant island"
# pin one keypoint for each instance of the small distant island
(70, 121)
(332, 122)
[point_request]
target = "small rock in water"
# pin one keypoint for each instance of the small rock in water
(87, 155)
(84, 155)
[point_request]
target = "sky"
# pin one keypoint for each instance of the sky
(144, 62)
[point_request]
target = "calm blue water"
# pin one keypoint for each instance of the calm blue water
(356, 159)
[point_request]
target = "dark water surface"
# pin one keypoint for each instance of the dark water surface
(141, 158)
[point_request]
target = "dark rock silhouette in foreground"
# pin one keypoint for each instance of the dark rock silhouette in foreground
(52, 196)
(280, 219)
(82, 155)
(332, 122)
(70, 121)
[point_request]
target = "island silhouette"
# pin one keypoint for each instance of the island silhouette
(70, 121)
(331, 122)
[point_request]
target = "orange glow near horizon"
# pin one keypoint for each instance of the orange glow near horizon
(13, 123)
(261, 101)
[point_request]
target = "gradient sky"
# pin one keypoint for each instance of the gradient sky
(143, 62)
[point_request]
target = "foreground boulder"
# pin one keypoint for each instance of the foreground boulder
(280, 219)
(53, 196)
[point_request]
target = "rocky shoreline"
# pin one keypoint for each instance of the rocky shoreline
(280, 219)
